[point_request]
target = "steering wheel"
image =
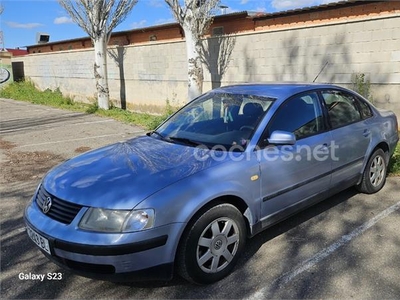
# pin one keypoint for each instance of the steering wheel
(246, 127)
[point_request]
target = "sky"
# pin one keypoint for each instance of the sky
(21, 20)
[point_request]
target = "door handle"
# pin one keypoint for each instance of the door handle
(366, 132)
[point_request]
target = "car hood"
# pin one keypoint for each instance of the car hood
(121, 175)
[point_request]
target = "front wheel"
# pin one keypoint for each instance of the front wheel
(374, 176)
(211, 247)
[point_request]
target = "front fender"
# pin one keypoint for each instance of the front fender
(180, 201)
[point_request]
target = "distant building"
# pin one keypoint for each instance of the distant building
(244, 22)
(233, 23)
(17, 52)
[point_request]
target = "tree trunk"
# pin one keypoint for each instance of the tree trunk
(195, 67)
(100, 72)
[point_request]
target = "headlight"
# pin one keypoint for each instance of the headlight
(107, 220)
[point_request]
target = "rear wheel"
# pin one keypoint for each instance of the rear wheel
(374, 176)
(211, 247)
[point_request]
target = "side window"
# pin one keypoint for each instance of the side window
(365, 109)
(300, 115)
(342, 108)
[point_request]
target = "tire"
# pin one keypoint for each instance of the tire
(374, 176)
(211, 247)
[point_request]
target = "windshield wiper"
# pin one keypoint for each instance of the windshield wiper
(159, 135)
(175, 139)
(184, 140)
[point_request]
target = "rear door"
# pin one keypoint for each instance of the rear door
(350, 135)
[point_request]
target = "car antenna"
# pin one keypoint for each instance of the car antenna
(321, 71)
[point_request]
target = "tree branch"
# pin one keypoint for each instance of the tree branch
(98, 17)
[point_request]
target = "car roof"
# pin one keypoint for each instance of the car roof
(278, 90)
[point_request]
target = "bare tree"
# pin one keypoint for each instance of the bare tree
(195, 18)
(1, 9)
(98, 18)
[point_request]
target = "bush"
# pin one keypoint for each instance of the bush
(362, 85)
(394, 163)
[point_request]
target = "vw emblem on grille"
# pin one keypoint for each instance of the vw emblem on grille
(47, 205)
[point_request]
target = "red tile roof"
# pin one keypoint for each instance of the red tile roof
(17, 52)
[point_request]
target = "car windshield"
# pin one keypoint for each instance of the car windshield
(220, 121)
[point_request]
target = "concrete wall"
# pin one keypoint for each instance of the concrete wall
(145, 76)
(368, 46)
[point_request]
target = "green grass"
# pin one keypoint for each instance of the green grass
(26, 91)
(394, 163)
(144, 120)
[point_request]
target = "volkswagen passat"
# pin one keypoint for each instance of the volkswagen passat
(229, 164)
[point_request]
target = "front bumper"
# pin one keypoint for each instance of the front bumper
(162, 272)
(146, 255)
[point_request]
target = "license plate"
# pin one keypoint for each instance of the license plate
(39, 240)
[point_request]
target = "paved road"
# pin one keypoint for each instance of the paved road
(346, 247)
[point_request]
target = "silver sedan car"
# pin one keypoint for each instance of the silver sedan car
(186, 197)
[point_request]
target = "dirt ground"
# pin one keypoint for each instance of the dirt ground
(28, 165)
(25, 165)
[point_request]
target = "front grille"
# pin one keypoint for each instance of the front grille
(60, 210)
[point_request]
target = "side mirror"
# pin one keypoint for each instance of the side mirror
(279, 137)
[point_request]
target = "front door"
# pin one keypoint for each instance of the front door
(295, 175)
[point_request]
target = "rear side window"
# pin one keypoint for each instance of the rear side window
(342, 108)
(365, 109)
